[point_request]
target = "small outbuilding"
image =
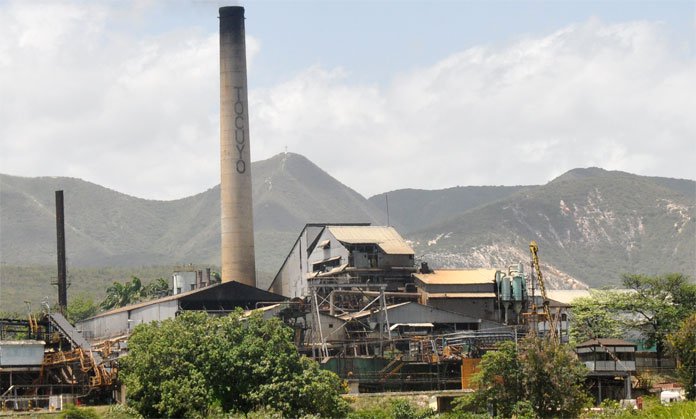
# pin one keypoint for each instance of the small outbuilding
(611, 363)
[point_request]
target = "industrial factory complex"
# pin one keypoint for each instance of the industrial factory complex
(356, 299)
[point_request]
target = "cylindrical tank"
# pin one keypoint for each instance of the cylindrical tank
(505, 289)
(518, 285)
(236, 222)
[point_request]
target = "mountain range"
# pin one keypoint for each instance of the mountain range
(591, 225)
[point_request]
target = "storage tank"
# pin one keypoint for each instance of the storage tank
(505, 288)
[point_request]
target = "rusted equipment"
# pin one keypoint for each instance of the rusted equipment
(552, 332)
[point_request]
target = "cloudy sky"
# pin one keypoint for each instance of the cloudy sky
(382, 95)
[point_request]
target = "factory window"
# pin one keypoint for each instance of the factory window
(626, 356)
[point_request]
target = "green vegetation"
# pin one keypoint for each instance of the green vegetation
(651, 409)
(197, 365)
(533, 377)
(73, 412)
(683, 344)
(590, 223)
(660, 303)
(387, 407)
(654, 307)
(591, 318)
(617, 221)
(33, 283)
(81, 307)
(123, 294)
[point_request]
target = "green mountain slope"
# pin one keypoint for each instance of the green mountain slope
(414, 209)
(108, 228)
(590, 224)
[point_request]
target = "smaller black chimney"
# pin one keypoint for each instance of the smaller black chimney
(425, 269)
(62, 270)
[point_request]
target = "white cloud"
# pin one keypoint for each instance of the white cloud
(616, 96)
(139, 113)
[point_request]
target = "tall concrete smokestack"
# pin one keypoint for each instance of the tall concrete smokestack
(235, 159)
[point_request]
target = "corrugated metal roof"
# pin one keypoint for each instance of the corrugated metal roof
(232, 288)
(365, 313)
(334, 271)
(394, 326)
(387, 238)
(461, 295)
(332, 258)
(605, 342)
(567, 296)
(27, 342)
(147, 303)
(457, 276)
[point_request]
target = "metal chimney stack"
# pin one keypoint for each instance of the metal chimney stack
(60, 241)
(237, 223)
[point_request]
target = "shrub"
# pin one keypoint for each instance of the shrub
(70, 411)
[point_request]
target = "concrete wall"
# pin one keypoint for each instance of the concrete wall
(480, 308)
(21, 353)
(182, 281)
(291, 279)
(123, 322)
(390, 261)
(154, 312)
(103, 327)
(335, 248)
(452, 288)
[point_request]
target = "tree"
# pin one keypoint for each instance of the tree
(120, 295)
(500, 380)
(656, 306)
(81, 307)
(195, 365)
(156, 289)
(547, 377)
(591, 318)
(683, 343)
(553, 378)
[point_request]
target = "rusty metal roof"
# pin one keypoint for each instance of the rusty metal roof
(457, 276)
(387, 238)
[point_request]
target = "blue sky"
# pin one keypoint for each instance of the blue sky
(376, 39)
(382, 95)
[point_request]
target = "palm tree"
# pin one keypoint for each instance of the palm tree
(119, 295)
(156, 289)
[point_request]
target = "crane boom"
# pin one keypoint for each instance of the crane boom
(552, 333)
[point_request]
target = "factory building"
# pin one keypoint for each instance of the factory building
(342, 253)
(466, 291)
(215, 299)
(610, 364)
(412, 319)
